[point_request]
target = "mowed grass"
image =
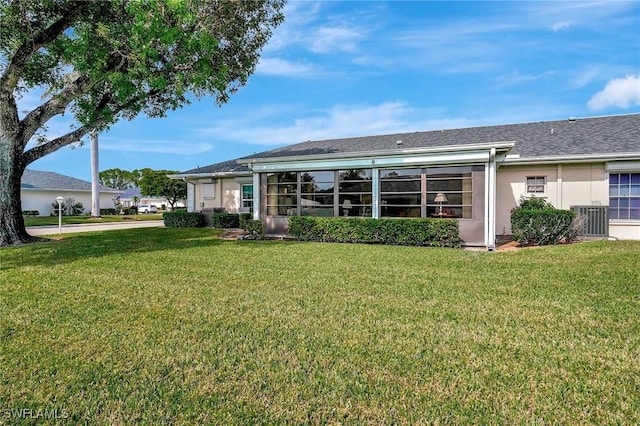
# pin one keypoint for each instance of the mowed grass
(68, 220)
(176, 326)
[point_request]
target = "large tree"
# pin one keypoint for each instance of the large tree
(119, 179)
(156, 183)
(101, 61)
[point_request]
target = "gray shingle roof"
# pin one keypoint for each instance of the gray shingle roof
(34, 179)
(594, 136)
(230, 166)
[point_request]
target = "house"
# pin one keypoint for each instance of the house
(475, 175)
(39, 190)
(133, 197)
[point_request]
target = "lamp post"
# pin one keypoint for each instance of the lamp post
(59, 200)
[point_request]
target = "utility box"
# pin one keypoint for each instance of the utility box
(596, 220)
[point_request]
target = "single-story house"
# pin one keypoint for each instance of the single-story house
(133, 197)
(474, 175)
(39, 190)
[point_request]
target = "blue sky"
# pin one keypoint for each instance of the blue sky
(337, 69)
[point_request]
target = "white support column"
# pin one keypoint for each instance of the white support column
(256, 195)
(191, 193)
(490, 201)
(375, 193)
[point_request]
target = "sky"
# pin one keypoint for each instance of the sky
(337, 69)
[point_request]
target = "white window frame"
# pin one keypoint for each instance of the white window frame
(528, 186)
(209, 191)
(242, 199)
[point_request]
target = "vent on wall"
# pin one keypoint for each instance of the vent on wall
(596, 220)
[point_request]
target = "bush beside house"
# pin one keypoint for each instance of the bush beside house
(183, 219)
(536, 222)
(414, 232)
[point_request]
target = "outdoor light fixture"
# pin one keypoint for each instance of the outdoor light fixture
(440, 198)
(59, 200)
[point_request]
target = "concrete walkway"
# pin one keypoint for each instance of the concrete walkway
(88, 227)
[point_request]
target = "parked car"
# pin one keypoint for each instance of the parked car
(147, 208)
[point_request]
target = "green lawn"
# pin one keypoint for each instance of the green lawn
(67, 220)
(175, 326)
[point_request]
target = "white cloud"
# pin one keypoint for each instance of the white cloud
(559, 26)
(277, 66)
(175, 147)
(329, 39)
(619, 92)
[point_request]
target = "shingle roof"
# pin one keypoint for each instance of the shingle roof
(230, 166)
(34, 179)
(594, 136)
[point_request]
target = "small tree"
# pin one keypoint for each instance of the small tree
(156, 183)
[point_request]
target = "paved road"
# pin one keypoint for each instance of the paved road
(88, 227)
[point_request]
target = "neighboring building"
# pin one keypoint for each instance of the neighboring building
(129, 196)
(475, 175)
(38, 190)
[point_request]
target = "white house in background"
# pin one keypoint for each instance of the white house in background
(474, 175)
(129, 196)
(38, 190)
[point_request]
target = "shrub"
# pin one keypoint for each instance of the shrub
(225, 220)
(255, 228)
(131, 210)
(108, 212)
(409, 232)
(244, 217)
(219, 210)
(536, 222)
(183, 219)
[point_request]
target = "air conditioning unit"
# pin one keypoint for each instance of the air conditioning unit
(596, 220)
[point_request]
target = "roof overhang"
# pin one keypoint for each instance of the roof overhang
(457, 154)
(196, 176)
(517, 160)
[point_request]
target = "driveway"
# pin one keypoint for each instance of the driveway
(88, 227)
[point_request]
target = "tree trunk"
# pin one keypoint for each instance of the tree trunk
(12, 229)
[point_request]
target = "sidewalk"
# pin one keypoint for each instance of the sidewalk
(88, 227)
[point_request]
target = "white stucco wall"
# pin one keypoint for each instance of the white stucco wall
(226, 193)
(38, 199)
(567, 185)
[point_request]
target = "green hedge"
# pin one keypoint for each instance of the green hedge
(255, 228)
(406, 232)
(225, 220)
(244, 218)
(183, 219)
(108, 212)
(536, 222)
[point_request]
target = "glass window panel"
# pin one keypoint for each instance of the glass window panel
(400, 186)
(444, 185)
(356, 174)
(624, 191)
(614, 202)
(634, 214)
(634, 203)
(316, 200)
(442, 172)
(355, 187)
(317, 187)
(624, 178)
(635, 178)
(614, 214)
(635, 190)
(324, 176)
(356, 199)
(247, 191)
(398, 211)
(614, 191)
(401, 174)
(614, 179)
(624, 203)
(406, 199)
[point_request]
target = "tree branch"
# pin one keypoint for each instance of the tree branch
(9, 80)
(54, 106)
